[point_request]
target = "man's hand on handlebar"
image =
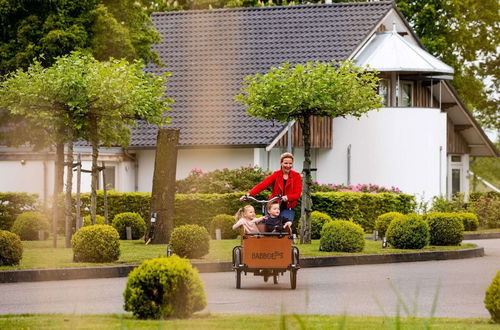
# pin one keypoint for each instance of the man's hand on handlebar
(284, 198)
(243, 198)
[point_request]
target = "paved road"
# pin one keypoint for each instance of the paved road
(458, 286)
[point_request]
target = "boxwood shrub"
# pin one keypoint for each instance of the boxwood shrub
(99, 220)
(225, 223)
(190, 241)
(408, 232)
(11, 248)
(470, 221)
(132, 220)
(164, 287)
(445, 228)
(28, 224)
(492, 298)
(318, 220)
(384, 220)
(96, 243)
(342, 236)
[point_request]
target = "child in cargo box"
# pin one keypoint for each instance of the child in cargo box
(274, 219)
(245, 217)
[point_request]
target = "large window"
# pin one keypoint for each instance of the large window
(109, 172)
(455, 181)
(383, 91)
(404, 94)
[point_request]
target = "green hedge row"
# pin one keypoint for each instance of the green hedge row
(362, 208)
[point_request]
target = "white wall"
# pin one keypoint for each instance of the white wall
(28, 177)
(391, 147)
(188, 159)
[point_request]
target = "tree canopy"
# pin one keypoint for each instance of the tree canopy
(80, 97)
(44, 30)
(312, 89)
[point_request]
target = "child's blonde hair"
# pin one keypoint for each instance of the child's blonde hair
(241, 212)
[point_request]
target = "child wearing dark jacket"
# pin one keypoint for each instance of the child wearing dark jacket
(273, 218)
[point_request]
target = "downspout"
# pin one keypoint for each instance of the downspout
(440, 169)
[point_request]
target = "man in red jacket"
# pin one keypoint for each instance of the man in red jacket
(286, 182)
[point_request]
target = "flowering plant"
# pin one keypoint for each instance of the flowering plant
(364, 188)
(221, 181)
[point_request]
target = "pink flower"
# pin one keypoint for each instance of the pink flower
(315, 182)
(193, 189)
(226, 186)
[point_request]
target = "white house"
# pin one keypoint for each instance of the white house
(420, 141)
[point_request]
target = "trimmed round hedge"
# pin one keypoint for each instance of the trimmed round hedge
(492, 298)
(318, 220)
(408, 232)
(99, 220)
(11, 248)
(97, 243)
(383, 221)
(445, 228)
(470, 221)
(190, 241)
(342, 236)
(164, 287)
(132, 220)
(28, 224)
(225, 223)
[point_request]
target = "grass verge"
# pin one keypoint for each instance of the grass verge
(41, 254)
(225, 321)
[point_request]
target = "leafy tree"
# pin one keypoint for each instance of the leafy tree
(47, 109)
(44, 30)
(80, 97)
(487, 168)
(299, 92)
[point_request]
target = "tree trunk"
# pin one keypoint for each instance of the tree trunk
(68, 200)
(78, 224)
(94, 140)
(104, 193)
(58, 188)
(163, 194)
(305, 232)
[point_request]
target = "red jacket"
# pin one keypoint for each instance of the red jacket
(293, 188)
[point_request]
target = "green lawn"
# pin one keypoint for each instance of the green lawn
(40, 254)
(224, 321)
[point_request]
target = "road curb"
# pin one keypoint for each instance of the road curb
(481, 236)
(36, 275)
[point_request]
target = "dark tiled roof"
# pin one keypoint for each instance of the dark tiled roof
(209, 52)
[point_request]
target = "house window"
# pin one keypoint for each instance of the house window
(456, 159)
(455, 181)
(383, 91)
(109, 172)
(404, 94)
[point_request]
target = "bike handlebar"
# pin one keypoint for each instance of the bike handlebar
(262, 201)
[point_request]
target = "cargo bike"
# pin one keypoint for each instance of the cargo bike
(266, 254)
